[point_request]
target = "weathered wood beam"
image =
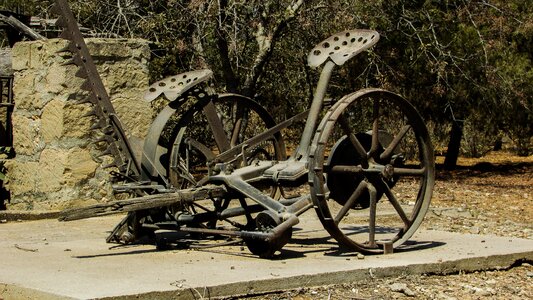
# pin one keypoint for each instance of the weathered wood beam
(145, 202)
(15, 23)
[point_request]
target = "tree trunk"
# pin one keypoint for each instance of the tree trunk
(454, 145)
(232, 82)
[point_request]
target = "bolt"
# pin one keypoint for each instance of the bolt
(388, 171)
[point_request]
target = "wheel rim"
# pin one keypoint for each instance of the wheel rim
(392, 171)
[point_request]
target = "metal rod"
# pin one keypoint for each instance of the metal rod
(273, 234)
(372, 218)
(260, 137)
(390, 148)
(301, 205)
(314, 112)
(256, 195)
(350, 202)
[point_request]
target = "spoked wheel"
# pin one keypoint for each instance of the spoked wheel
(213, 127)
(372, 171)
(210, 128)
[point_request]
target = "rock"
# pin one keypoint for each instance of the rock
(443, 296)
(79, 166)
(402, 288)
(475, 230)
(26, 139)
(52, 121)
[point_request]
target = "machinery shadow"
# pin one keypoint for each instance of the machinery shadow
(302, 243)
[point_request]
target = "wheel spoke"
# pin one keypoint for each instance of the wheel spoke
(238, 124)
(395, 142)
(409, 171)
(350, 202)
(372, 218)
(236, 132)
(200, 147)
(217, 127)
(395, 203)
(375, 129)
(353, 139)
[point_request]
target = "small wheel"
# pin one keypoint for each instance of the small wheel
(372, 170)
(265, 221)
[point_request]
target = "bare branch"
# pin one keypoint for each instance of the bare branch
(266, 41)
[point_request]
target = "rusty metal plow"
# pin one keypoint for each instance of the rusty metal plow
(215, 164)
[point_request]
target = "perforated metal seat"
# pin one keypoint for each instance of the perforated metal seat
(174, 86)
(342, 46)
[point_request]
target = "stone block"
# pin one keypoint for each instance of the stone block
(52, 121)
(79, 167)
(74, 124)
(21, 178)
(23, 89)
(26, 137)
(135, 115)
(51, 169)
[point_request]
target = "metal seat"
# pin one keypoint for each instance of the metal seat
(174, 86)
(342, 46)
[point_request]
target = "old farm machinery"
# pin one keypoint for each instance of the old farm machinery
(215, 164)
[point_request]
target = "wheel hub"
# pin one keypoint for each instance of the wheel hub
(342, 185)
(266, 221)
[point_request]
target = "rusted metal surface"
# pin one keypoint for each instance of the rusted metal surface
(217, 163)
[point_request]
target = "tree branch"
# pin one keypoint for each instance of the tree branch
(266, 42)
(223, 48)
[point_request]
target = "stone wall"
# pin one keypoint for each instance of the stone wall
(56, 166)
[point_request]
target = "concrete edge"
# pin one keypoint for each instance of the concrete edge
(27, 215)
(255, 287)
(10, 291)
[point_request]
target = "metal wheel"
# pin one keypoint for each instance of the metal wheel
(210, 128)
(213, 127)
(372, 171)
(265, 221)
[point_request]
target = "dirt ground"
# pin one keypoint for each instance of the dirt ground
(491, 195)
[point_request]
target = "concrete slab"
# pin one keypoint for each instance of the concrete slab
(48, 259)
